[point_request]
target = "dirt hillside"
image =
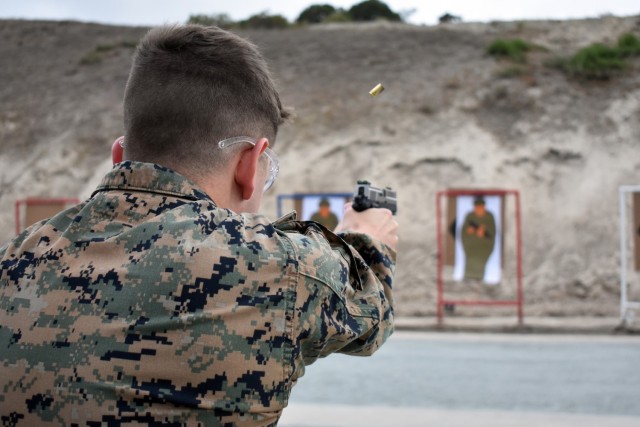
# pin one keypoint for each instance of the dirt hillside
(447, 119)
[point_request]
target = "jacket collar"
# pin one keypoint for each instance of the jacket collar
(151, 178)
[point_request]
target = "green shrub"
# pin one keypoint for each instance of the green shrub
(92, 57)
(105, 47)
(629, 45)
(265, 21)
(338, 16)
(221, 20)
(97, 54)
(371, 10)
(514, 49)
(599, 61)
(131, 44)
(448, 17)
(316, 13)
(595, 62)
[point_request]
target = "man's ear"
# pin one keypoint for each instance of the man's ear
(247, 168)
(117, 150)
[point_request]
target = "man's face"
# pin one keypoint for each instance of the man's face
(479, 209)
(324, 211)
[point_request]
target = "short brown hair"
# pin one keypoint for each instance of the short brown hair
(191, 86)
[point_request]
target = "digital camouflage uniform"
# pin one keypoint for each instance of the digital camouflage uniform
(149, 304)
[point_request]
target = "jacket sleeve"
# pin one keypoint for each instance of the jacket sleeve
(379, 268)
(344, 302)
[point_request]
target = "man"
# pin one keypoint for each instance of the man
(478, 239)
(324, 215)
(165, 299)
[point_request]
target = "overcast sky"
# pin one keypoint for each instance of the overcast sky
(153, 12)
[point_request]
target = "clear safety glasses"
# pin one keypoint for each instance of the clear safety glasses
(274, 165)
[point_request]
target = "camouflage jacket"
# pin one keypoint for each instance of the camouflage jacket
(149, 304)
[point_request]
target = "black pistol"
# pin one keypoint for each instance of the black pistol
(367, 196)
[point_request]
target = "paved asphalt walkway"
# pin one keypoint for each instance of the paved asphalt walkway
(542, 325)
(469, 379)
(302, 415)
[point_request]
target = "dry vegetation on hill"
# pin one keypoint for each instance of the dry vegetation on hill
(451, 116)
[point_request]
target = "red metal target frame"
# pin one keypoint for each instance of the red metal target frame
(442, 301)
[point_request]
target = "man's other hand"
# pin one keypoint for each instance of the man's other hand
(376, 222)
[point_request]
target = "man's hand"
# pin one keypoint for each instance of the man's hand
(376, 222)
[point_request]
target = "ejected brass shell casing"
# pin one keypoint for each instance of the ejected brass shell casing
(376, 90)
